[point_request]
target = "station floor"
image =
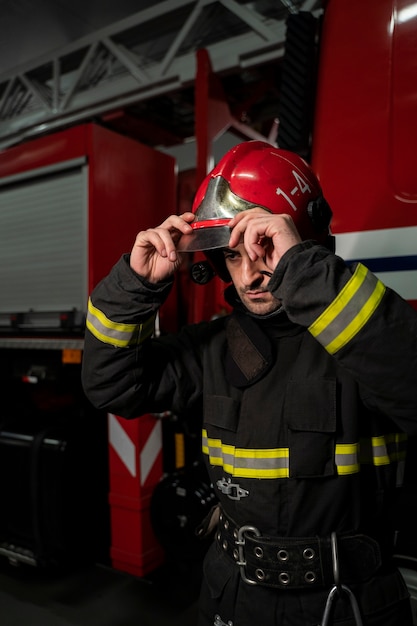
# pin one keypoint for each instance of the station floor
(97, 595)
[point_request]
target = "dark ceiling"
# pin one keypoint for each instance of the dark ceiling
(131, 65)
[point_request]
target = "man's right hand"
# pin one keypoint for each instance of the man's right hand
(154, 254)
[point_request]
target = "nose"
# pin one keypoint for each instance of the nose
(253, 272)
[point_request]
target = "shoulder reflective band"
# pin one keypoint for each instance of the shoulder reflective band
(275, 462)
(116, 333)
(350, 311)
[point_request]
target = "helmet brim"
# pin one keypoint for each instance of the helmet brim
(208, 238)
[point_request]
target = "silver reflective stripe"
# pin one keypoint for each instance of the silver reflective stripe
(116, 333)
(350, 311)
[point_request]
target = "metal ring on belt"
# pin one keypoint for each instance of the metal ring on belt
(296, 562)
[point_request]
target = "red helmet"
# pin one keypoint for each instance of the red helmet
(256, 174)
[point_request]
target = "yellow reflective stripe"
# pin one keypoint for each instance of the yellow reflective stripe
(247, 463)
(385, 449)
(275, 462)
(346, 458)
(340, 302)
(116, 333)
(359, 322)
(350, 310)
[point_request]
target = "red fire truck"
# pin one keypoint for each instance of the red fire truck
(364, 134)
(348, 104)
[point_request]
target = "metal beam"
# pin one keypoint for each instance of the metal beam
(112, 69)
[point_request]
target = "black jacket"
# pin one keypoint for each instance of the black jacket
(305, 413)
(297, 436)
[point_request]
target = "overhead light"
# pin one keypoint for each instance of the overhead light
(407, 14)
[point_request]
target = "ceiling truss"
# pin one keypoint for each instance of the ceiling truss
(151, 53)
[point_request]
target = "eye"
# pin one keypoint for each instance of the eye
(231, 255)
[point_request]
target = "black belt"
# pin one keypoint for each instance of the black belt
(298, 562)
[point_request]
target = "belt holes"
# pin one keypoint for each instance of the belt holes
(260, 574)
(283, 555)
(224, 545)
(310, 577)
(258, 552)
(235, 554)
(235, 534)
(226, 525)
(219, 536)
(309, 554)
(284, 578)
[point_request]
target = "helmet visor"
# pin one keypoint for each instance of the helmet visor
(210, 227)
(206, 235)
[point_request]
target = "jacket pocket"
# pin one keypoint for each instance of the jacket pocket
(310, 409)
(221, 412)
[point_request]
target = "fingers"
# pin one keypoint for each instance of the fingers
(250, 231)
(165, 237)
(154, 253)
(263, 233)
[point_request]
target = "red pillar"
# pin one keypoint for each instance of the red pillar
(136, 467)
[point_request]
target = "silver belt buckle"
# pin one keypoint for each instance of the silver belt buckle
(240, 542)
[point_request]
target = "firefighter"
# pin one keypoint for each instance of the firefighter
(308, 391)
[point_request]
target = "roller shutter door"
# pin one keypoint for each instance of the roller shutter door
(43, 240)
